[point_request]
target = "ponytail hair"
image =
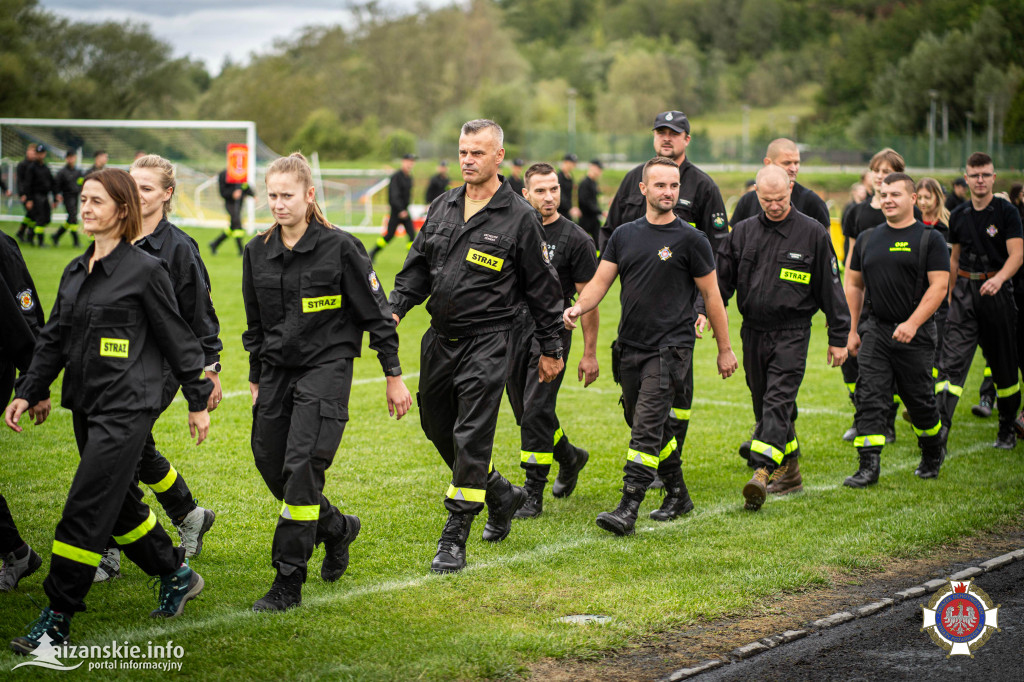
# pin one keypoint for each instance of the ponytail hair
(296, 164)
(165, 170)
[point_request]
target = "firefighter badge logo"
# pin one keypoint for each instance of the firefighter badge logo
(544, 252)
(665, 253)
(374, 282)
(26, 301)
(992, 230)
(960, 618)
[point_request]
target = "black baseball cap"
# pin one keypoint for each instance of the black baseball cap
(570, 157)
(40, 149)
(442, 162)
(518, 162)
(597, 162)
(674, 120)
(409, 157)
(960, 181)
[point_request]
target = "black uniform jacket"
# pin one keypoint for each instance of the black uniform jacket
(310, 305)
(803, 199)
(191, 284)
(565, 185)
(700, 204)
(227, 189)
(111, 330)
(590, 209)
(782, 274)
(16, 338)
(39, 181)
(437, 186)
(477, 273)
(399, 192)
(68, 182)
(21, 176)
(23, 289)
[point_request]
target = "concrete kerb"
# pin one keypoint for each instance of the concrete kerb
(772, 641)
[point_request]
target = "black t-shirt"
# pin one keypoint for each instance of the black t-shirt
(571, 251)
(864, 216)
(657, 266)
(982, 234)
(889, 260)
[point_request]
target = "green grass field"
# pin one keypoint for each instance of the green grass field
(389, 618)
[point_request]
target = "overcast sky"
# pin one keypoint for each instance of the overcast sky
(210, 30)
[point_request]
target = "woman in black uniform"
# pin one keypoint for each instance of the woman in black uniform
(310, 292)
(113, 325)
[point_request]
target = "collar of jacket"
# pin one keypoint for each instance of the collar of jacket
(108, 263)
(501, 198)
(783, 226)
(158, 235)
(307, 242)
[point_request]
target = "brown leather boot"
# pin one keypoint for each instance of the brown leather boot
(756, 489)
(788, 482)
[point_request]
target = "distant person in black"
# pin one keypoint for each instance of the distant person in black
(21, 184)
(589, 199)
(68, 186)
(988, 249)
(786, 155)
(233, 194)
(438, 183)
(901, 268)
(99, 161)
(958, 195)
(515, 176)
(566, 184)
(399, 198)
(38, 191)
(663, 262)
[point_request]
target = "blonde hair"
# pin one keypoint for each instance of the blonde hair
(935, 187)
(164, 169)
(296, 164)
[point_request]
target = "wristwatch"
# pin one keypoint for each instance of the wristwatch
(215, 367)
(555, 354)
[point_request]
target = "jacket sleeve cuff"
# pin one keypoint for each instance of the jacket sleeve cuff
(390, 365)
(198, 394)
(838, 342)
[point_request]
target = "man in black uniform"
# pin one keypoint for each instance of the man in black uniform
(565, 184)
(572, 255)
(662, 262)
(68, 186)
(783, 269)
(21, 184)
(590, 205)
(786, 155)
(958, 195)
(399, 198)
(38, 191)
(987, 250)
(233, 194)
(99, 161)
(515, 176)
(479, 256)
(900, 269)
(700, 204)
(438, 183)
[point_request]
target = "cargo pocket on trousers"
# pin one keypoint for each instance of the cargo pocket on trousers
(333, 416)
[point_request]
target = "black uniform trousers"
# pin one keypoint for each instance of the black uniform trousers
(885, 362)
(774, 364)
(10, 539)
(393, 222)
(987, 321)
(71, 206)
(105, 500)
(40, 216)
(654, 388)
(461, 382)
(533, 402)
(235, 229)
(298, 420)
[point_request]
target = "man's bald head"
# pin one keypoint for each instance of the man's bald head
(784, 153)
(774, 192)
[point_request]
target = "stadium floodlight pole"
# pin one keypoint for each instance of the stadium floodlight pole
(248, 126)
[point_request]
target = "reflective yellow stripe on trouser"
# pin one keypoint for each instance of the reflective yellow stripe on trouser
(792, 446)
(165, 483)
(949, 388)
(466, 494)
(82, 556)
(137, 532)
(668, 449)
(680, 413)
(381, 242)
(760, 447)
(869, 441)
(1008, 391)
(851, 387)
(928, 432)
(642, 458)
(297, 512)
(541, 458)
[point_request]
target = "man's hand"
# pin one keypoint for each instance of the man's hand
(397, 319)
(700, 325)
(236, 195)
(399, 398)
(853, 344)
(199, 425)
(255, 390)
(40, 411)
(991, 286)
(28, 204)
(905, 332)
(588, 370)
(727, 363)
(836, 356)
(548, 368)
(13, 413)
(216, 395)
(403, 215)
(571, 315)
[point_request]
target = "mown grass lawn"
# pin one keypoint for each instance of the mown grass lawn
(388, 618)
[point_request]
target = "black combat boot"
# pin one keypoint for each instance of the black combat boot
(622, 520)
(867, 473)
(1007, 437)
(336, 544)
(571, 461)
(285, 593)
(932, 457)
(503, 500)
(534, 505)
(677, 499)
(451, 548)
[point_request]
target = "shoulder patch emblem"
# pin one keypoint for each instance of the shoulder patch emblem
(374, 282)
(719, 221)
(992, 231)
(665, 253)
(835, 266)
(544, 250)
(26, 301)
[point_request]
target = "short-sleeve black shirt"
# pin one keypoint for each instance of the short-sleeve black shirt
(889, 260)
(577, 261)
(657, 266)
(982, 234)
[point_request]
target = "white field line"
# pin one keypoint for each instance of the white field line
(701, 515)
